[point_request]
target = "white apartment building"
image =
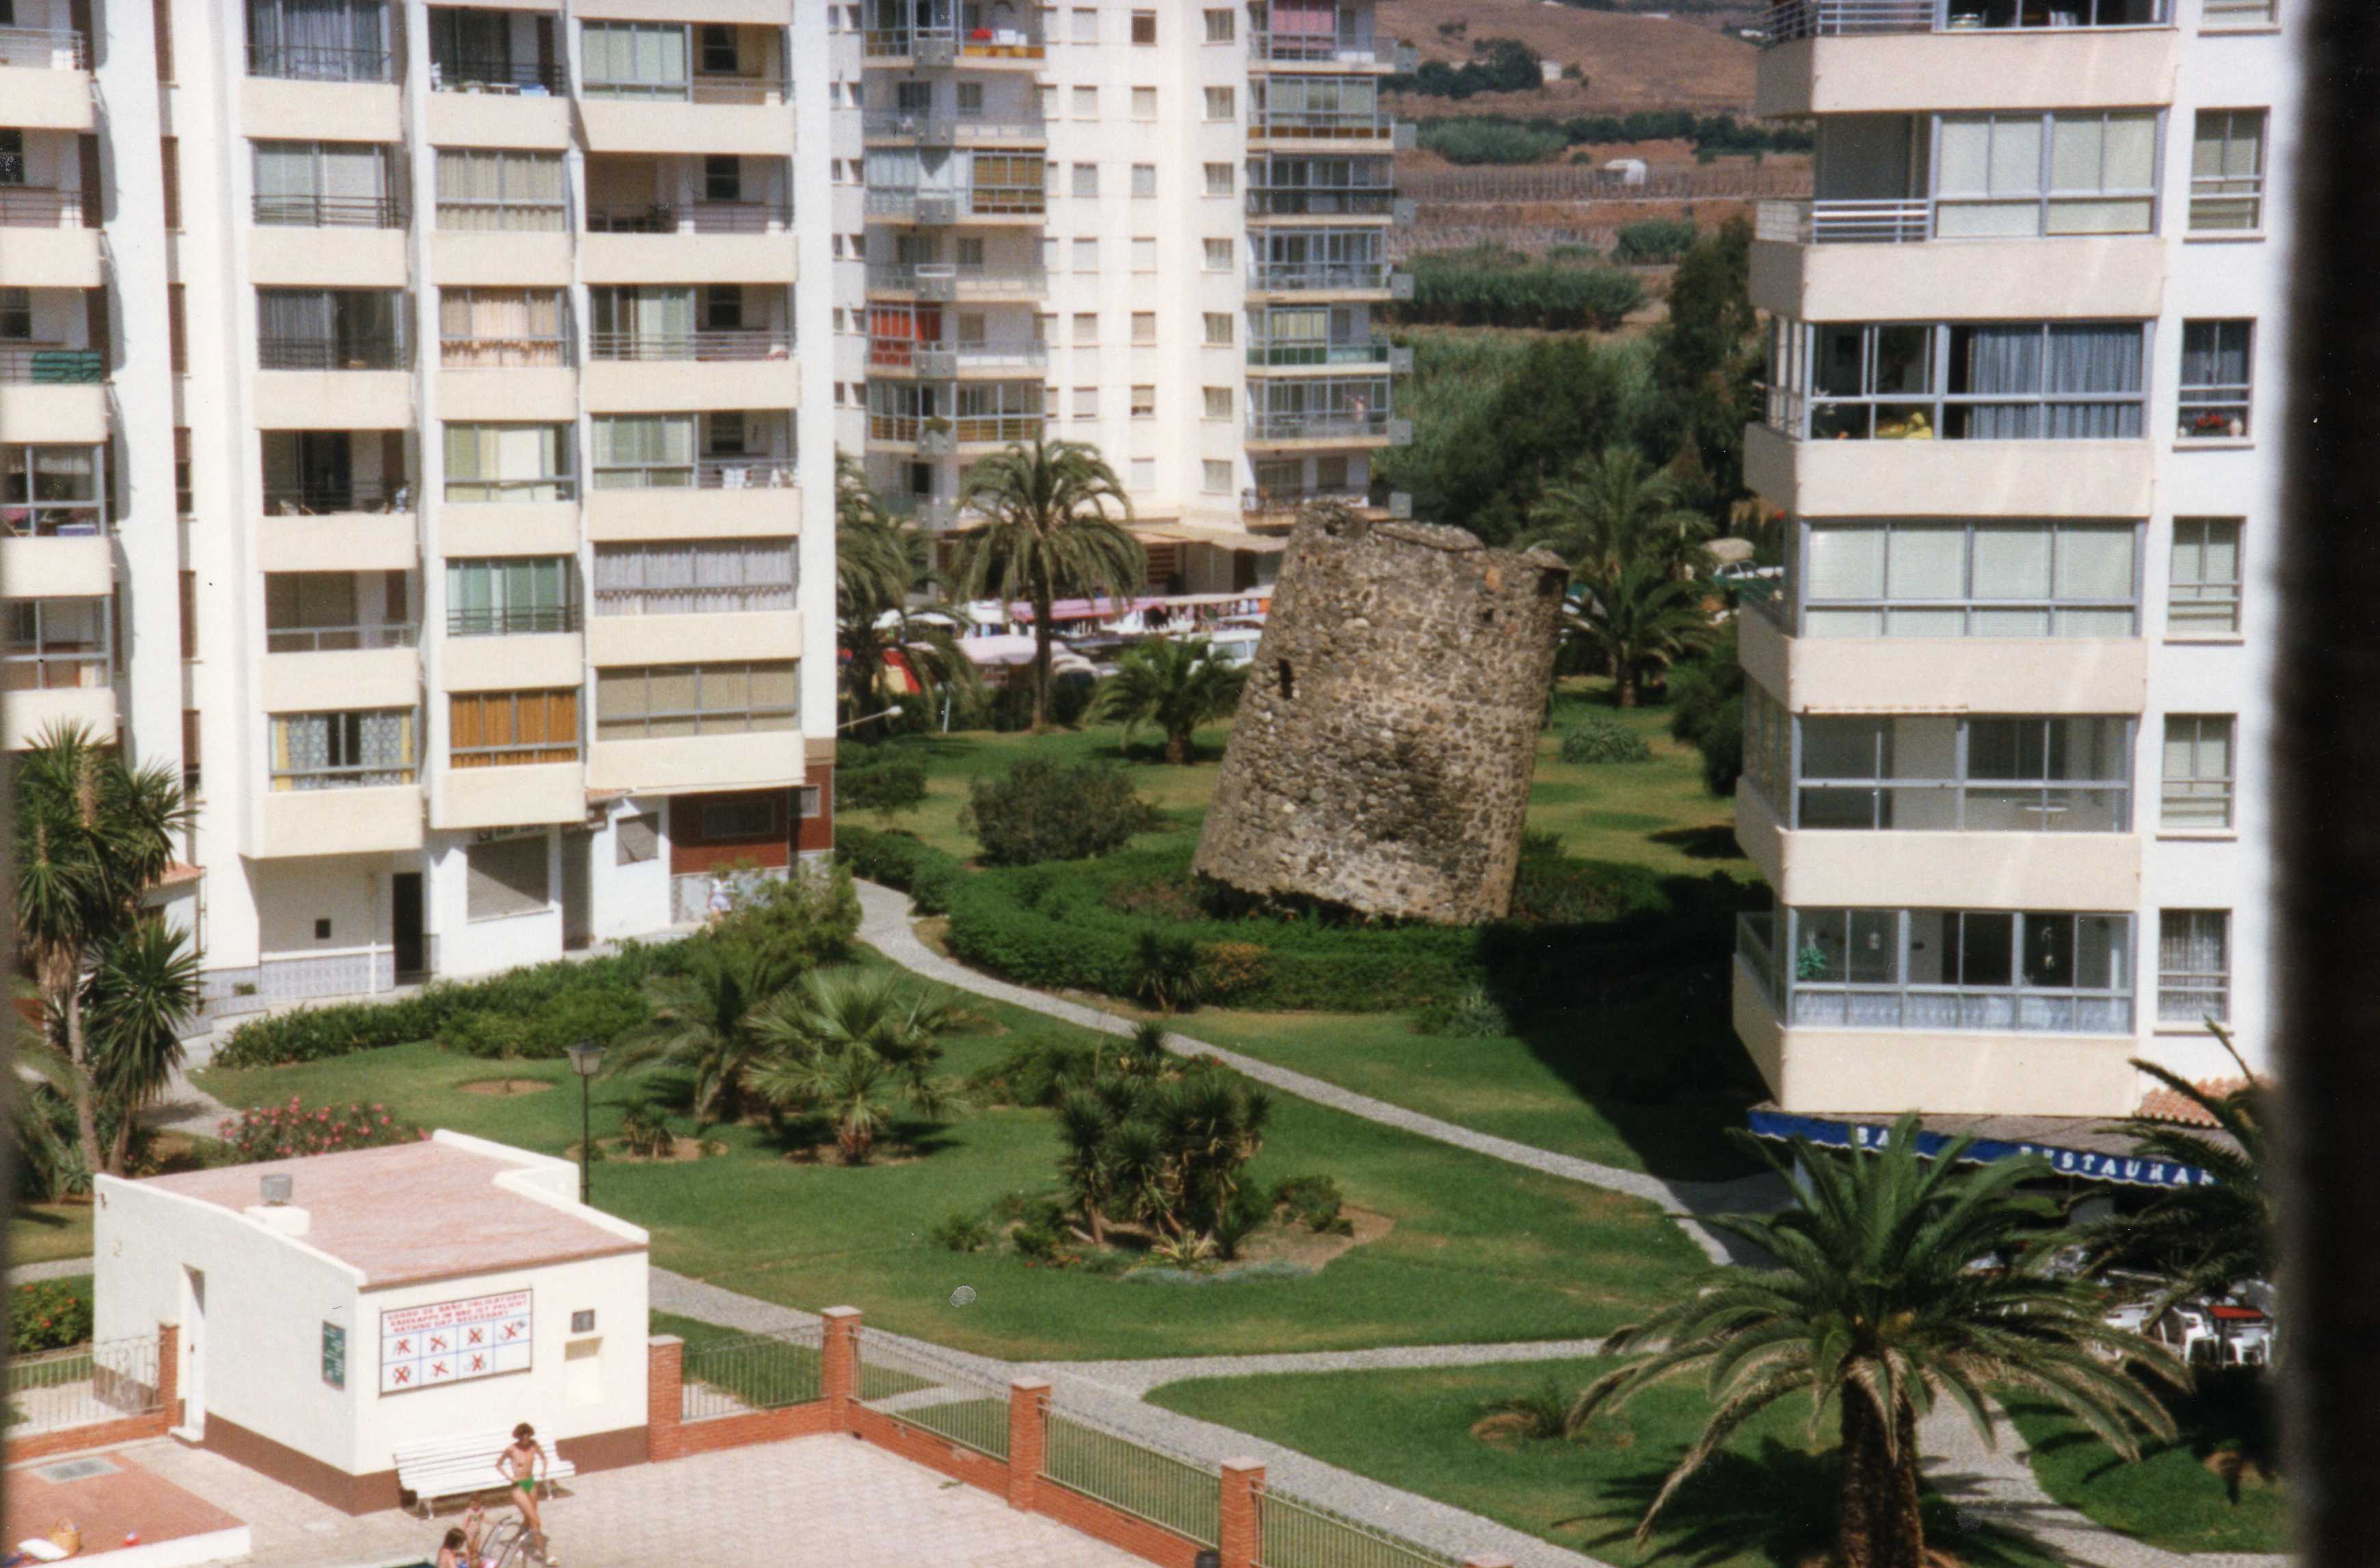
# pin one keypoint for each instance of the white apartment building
(409, 424)
(2006, 726)
(1157, 227)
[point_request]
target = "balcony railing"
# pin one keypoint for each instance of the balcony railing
(352, 776)
(1322, 201)
(948, 130)
(1352, 47)
(330, 354)
(292, 62)
(472, 74)
(733, 599)
(1792, 19)
(329, 211)
(930, 45)
(939, 206)
(1296, 275)
(1974, 1009)
(691, 217)
(708, 473)
(744, 343)
(1262, 353)
(1275, 503)
(48, 365)
(43, 206)
(1327, 424)
(503, 353)
(76, 669)
(40, 48)
(931, 359)
(1323, 125)
(527, 620)
(1829, 222)
(328, 500)
(955, 280)
(339, 639)
(704, 87)
(973, 430)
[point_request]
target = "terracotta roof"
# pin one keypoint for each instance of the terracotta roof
(412, 1212)
(2163, 1104)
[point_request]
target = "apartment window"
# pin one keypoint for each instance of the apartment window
(696, 700)
(183, 503)
(2052, 578)
(1144, 254)
(185, 603)
(1928, 774)
(1143, 328)
(1086, 179)
(2193, 965)
(1087, 25)
(1218, 401)
(2227, 172)
(696, 577)
(16, 315)
(1087, 403)
(1144, 474)
(1144, 103)
(1086, 328)
(1221, 27)
(1219, 179)
(483, 189)
(1086, 255)
(636, 839)
(2214, 380)
(2202, 591)
(1144, 402)
(1144, 28)
(2074, 172)
(327, 185)
(2041, 971)
(490, 462)
(1144, 180)
(318, 612)
(633, 60)
(177, 329)
(471, 50)
(1220, 104)
(1219, 328)
(510, 729)
(1086, 102)
(507, 876)
(2240, 13)
(970, 98)
(749, 817)
(2198, 780)
(480, 328)
(318, 40)
(1215, 476)
(169, 155)
(644, 452)
(2058, 380)
(722, 177)
(360, 751)
(331, 328)
(515, 596)
(1219, 255)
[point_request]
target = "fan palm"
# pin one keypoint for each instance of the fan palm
(2200, 1240)
(703, 1020)
(1886, 1300)
(144, 987)
(850, 1044)
(93, 835)
(882, 564)
(1047, 533)
(1613, 509)
(1177, 686)
(1636, 621)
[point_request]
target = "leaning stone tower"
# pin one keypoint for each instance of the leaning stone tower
(1383, 748)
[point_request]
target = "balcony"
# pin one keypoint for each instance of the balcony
(1015, 47)
(311, 669)
(657, 373)
(352, 817)
(1331, 413)
(690, 626)
(49, 238)
(753, 498)
(57, 665)
(907, 358)
(57, 565)
(933, 436)
(53, 395)
(1833, 261)
(1919, 478)
(958, 204)
(1362, 203)
(900, 127)
(1890, 57)
(54, 492)
(1362, 278)
(631, 102)
(45, 79)
(512, 793)
(668, 242)
(1354, 354)
(31, 711)
(1353, 48)
(360, 538)
(1279, 508)
(1331, 130)
(708, 473)
(304, 62)
(355, 241)
(950, 282)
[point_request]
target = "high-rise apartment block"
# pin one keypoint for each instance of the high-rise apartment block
(419, 421)
(2005, 725)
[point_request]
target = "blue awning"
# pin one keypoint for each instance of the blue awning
(2090, 1164)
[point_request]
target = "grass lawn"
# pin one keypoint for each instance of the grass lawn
(1763, 1501)
(1479, 1250)
(39, 1233)
(2171, 1498)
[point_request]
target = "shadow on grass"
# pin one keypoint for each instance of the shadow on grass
(1714, 841)
(2228, 1422)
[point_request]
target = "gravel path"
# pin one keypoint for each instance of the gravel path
(884, 925)
(55, 1268)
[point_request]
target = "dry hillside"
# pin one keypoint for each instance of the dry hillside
(1687, 61)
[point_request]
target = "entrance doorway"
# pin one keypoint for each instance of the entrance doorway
(577, 901)
(404, 921)
(193, 1379)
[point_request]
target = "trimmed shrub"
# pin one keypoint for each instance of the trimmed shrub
(808, 917)
(900, 860)
(286, 1132)
(1604, 740)
(1487, 140)
(962, 1233)
(1490, 286)
(879, 779)
(1040, 811)
(47, 1315)
(1652, 241)
(1475, 1015)
(1315, 1202)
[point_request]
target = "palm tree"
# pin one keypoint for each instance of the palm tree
(1886, 1299)
(144, 986)
(881, 565)
(2200, 1240)
(1177, 685)
(850, 1043)
(1047, 533)
(1637, 620)
(1614, 507)
(1109, 1160)
(93, 835)
(704, 1020)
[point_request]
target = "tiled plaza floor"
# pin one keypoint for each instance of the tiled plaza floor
(813, 1502)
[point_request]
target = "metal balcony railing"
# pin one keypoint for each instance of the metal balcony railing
(1323, 125)
(503, 353)
(1792, 20)
(339, 639)
(1356, 46)
(974, 430)
(327, 500)
(1323, 424)
(955, 280)
(949, 359)
(329, 211)
(930, 46)
(40, 48)
(1331, 201)
(690, 599)
(54, 669)
(703, 87)
(708, 473)
(43, 206)
(1300, 275)
(330, 354)
(1831, 222)
(292, 61)
(691, 217)
(475, 74)
(746, 343)
(948, 130)
(941, 206)
(35, 364)
(1264, 353)
(500, 620)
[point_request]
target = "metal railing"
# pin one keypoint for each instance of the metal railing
(1172, 1492)
(1298, 1533)
(105, 1380)
(357, 353)
(48, 365)
(690, 218)
(1336, 124)
(1792, 20)
(956, 280)
(948, 358)
(1755, 949)
(978, 43)
(503, 353)
(472, 74)
(292, 62)
(921, 205)
(742, 344)
(339, 639)
(38, 48)
(315, 211)
(1296, 275)
(692, 599)
(1321, 424)
(1828, 222)
(1321, 202)
(2213, 412)
(703, 87)
(536, 489)
(967, 429)
(1276, 501)
(945, 130)
(82, 669)
(735, 1377)
(934, 1394)
(1262, 352)
(525, 620)
(708, 473)
(311, 501)
(1356, 48)
(357, 775)
(44, 206)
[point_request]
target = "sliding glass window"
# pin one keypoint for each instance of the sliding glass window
(2028, 174)
(487, 189)
(509, 463)
(2058, 381)
(2001, 971)
(328, 185)
(1922, 773)
(2051, 578)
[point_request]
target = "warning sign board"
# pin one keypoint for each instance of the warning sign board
(453, 1341)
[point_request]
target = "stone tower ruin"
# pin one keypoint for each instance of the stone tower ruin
(1383, 748)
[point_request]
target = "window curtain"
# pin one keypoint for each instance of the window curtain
(293, 315)
(2102, 170)
(1988, 176)
(387, 747)
(2005, 361)
(632, 60)
(301, 744)
(284, 181)
(2095, 358)
(2193, 963)
(2215, 354)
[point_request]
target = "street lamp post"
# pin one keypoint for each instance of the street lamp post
(585, 1060)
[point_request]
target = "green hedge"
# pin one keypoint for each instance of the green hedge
(900, 860)
(48, 1314)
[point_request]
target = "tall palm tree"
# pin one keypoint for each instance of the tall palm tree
(1174, 684)
(1889, 1298)
(2200, 1240)
(93, 835)
(882, 564)
(1637, 620)
(850, 1043)
(704, 1020)
(144, 986)
(1054, 525)
(1614, 507)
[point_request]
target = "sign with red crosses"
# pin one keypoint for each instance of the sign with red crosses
(453, 1341)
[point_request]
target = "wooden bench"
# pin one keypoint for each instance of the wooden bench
(463, 1465)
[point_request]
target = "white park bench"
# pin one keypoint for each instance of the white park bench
(463, 1465)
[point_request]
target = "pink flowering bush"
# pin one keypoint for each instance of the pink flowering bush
(285, 1131)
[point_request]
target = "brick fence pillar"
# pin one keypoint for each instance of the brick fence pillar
(664, 1396)
(1028, 1436)
(169, 1377)
(839, 1364)
(1240, 1532)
